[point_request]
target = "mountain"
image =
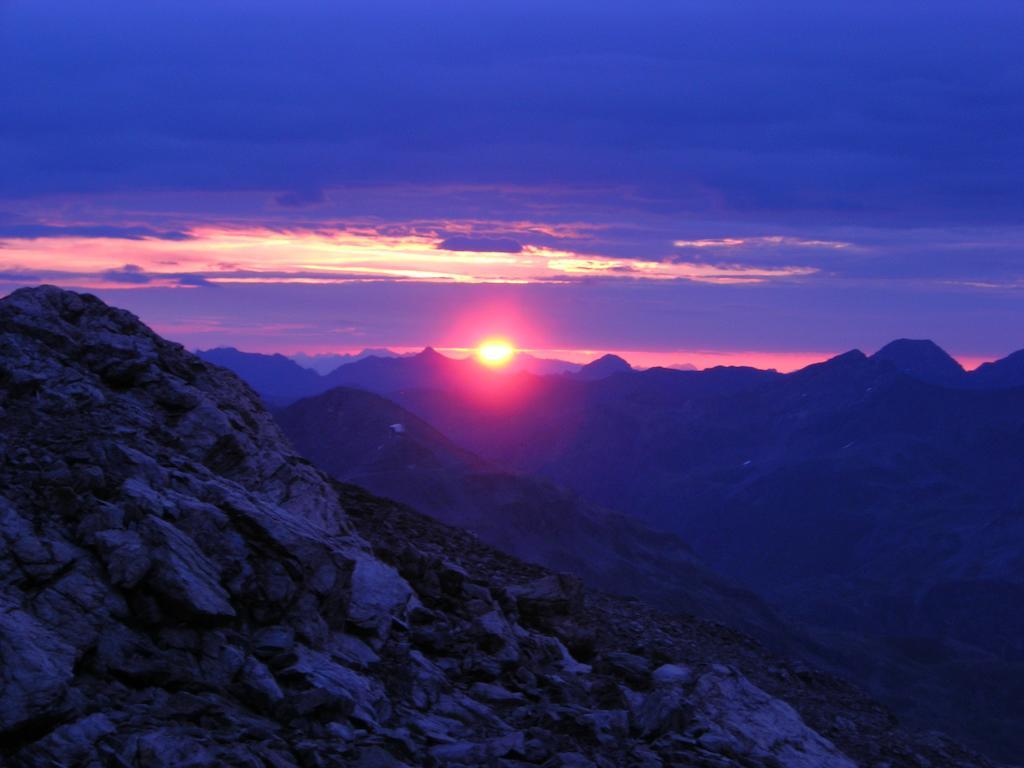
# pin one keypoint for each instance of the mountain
(1004, 373)
(924, 360)
(277, 378)
(359, 437)
(180, 588)
(883, 512)
(531, 420)
(389, 374)
(324, 363)
(541, 366)
(602, 368)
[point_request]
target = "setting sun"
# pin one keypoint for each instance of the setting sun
(495, 353)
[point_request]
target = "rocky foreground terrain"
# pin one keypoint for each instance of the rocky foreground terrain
(178, 588)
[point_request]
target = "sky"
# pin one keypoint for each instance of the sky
(687, 181)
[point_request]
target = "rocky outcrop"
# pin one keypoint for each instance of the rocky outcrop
(178, 588)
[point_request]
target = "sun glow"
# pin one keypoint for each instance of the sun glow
(495, 353)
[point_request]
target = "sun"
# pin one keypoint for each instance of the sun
(495, 353)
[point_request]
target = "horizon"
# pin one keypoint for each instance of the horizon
(638, 359)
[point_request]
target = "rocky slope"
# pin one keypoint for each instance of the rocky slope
(883, 512)
(179, 589)
(362, 438)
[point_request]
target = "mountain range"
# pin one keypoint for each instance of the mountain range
(872, 500)
(282, 380)
(179, 588)
(362, 438)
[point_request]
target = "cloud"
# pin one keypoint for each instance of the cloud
(129, 273)
(760, 242)
(915, 122)
(197, 281)
(261, 255)
(480, 244)
(300, 198)
(35, 231)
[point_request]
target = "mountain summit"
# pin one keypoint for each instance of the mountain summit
(603, 367)
(922, 359)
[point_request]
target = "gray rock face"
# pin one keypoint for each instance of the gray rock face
(178, 588)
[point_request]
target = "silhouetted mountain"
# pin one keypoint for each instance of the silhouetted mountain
(924, 360)
(390, 374)
(1008, 372)
(533, 417)
(277, 378)
(179, 588)
(324, 363)
(541, 366)
(602, 368)
(360, 437)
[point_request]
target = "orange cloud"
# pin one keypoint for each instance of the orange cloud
(355, 253)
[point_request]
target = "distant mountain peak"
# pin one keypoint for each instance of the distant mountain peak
(1006, 372)
(843, 360)
(923, 359)
(603, 367)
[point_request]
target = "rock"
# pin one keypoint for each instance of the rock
(666, 709)
(732, 714)
(672, 674)
(553, 595)
(378, 595)
(36, 669)
(634, 670)
(494, 694)
(326, 687)
(573, 760)
(73, 743)
(272, 641)
(181, 574)
(352, 651)
(480, 753)
(257, 685)
(498, 637)
(125, 556)
(606, 727)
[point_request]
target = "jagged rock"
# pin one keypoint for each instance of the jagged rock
(553, 595)
(272, 641)
(494, 694)
(258, 686)
(181, 573)
(634, 670)
(36, 669)
(733, 715)
(481, 753)
(125, 555)
(498, 638)
(73, 743)
(666, 709)
(378, 596)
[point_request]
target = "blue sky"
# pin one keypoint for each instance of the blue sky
(668, 176)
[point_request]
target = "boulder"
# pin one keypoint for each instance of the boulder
(731, 714)
(36, 669)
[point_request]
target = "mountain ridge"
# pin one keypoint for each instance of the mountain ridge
(179, 587)
(362, 438)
